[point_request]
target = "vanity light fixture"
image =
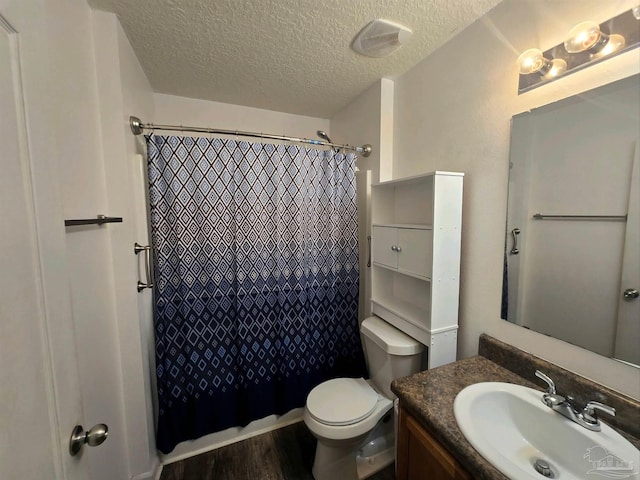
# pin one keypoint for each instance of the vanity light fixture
(587, 44)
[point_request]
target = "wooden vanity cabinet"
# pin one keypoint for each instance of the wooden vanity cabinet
(421, 457)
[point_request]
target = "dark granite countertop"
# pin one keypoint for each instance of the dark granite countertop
(429, 397)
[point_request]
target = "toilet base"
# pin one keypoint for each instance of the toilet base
(336, 464)
(357, 459)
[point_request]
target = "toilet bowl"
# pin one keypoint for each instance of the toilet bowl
(345, 413)
(341, 413)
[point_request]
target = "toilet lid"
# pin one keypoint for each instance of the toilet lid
(342, 401)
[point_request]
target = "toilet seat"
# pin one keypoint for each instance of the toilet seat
(342, 401)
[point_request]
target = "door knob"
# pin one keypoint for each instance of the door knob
(631, 293)
(94, 437)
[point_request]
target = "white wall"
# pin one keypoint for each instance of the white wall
(123, 89)
(200, 113)
(137, 99)
(453, 111)
(367, 120)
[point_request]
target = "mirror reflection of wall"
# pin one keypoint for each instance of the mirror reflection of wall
(577, 157)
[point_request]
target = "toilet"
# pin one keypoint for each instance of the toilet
(353, 418)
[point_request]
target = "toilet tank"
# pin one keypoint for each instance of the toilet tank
(390, 353)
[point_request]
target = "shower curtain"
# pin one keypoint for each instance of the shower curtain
(256, 273)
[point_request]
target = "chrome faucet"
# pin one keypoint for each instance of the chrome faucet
(565, 406)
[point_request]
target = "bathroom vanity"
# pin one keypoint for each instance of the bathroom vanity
(429, 439)
(420, 454)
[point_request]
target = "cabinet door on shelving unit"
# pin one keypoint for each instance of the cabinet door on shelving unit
(415, 252)
(384, 238)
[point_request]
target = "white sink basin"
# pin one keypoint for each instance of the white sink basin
(512, 429)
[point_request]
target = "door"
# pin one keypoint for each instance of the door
(39, 388)
(383, 244)
(409, 250)
(415, 251)
(420, 456)
(628, 325)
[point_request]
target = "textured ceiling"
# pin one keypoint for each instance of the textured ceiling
(285, 55)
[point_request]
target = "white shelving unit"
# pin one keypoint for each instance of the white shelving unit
(415, 253)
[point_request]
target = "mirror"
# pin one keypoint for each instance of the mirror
(572, 250)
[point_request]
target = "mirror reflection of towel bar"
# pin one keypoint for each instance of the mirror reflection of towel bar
(615, 218)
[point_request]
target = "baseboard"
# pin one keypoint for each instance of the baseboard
(221, 439)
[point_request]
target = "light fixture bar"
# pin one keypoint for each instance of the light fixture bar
(625, 25)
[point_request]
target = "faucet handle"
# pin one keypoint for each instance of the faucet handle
(589, 414)
(551, 399)
(551, 390)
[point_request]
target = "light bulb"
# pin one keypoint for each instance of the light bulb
(615, 42)
(533, 61)
(587, 37)
(558, 67)
(530, 61)
(583, 37)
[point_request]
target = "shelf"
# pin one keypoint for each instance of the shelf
(413, 314)
(416, 178)
(413, 226)
(403, 272)
(409, 312)
(415, 219)
(99, 220)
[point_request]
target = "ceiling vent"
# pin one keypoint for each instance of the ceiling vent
(380, 38)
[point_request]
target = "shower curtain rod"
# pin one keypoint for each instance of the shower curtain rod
(137, 127)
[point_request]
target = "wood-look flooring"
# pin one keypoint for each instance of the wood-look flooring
(283, 454)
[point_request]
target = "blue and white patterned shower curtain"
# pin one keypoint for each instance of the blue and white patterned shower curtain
(256, 271)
